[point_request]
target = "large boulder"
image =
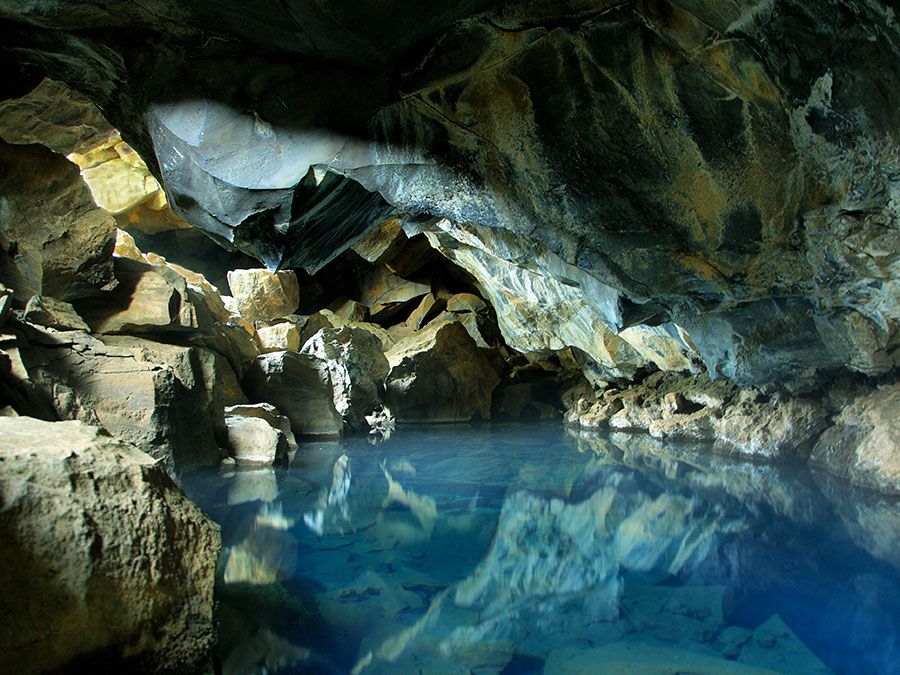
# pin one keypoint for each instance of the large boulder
(351, 359)
(166, 399)
(253, 440)
(163, 301)
(53, 240)
(104, 562)
(864, 443)
(299, 388)
(262, 295)
(439, 374)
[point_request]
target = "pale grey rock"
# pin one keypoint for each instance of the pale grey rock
(439, 374)
(252, 440)
(270, 414)
(351, 359)
(262, 295)
(299, 388)
(864, 443)
(53, 313)
(103, 557)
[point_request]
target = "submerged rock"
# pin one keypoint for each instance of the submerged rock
(104, 561)
(439, 374)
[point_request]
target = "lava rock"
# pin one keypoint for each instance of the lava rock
(105, 561)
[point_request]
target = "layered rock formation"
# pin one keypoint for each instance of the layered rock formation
(104, 559)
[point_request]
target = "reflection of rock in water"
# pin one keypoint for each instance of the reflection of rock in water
(265, 553)
(333, 509)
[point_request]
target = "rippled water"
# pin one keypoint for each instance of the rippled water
(528, 550)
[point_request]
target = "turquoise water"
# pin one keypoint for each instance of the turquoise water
(529, 550)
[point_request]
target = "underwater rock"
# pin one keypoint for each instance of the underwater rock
(439, 374)
(262, 295)
(775, 647)
(864, 443)
(351, 359)
(104, 558)
(53, 240)
(635, 657)
(297, 385)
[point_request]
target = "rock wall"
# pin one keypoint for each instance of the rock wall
(727, 170)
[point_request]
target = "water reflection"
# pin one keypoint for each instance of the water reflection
(533, 551)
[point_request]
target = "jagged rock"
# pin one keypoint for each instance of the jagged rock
(351, 359)
(863, 444)
(775, 647)
(328, 319)
(774, 429)
(350, 310)
(381, 287)
(439, 374)
(299, 388)
(6, 300)
(262, 295)
(159, 299)
(53, 240)
(267, 412)
(167, 400)
(381, 243)
(252, 440)
(53, 313)
(465, 302)
(427, 309)
(278, 337)
(104, 558)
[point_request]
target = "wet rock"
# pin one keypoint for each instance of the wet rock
(863, 443)
(165, 399)
(775, 647)
(351, 360)
(53, 313)
(635, 657)
(53, 240)
(252, 440)
(439, 374)
(299, 388)
(262, 295)
(278, 337)
(104, 557)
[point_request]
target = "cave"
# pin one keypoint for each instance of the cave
(500, 336)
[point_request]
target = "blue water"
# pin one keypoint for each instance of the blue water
(529, 550)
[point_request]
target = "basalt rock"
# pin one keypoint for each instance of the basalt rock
(105, 562)
(439, 374)
(53, 240)
(706, 168)
(165, 399)
(262, 295)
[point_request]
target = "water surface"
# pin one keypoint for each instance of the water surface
(529, 550)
